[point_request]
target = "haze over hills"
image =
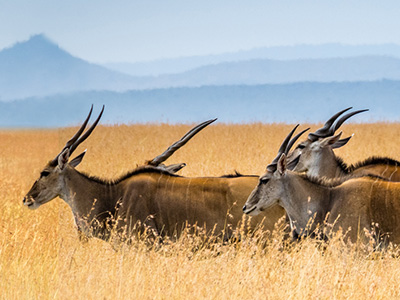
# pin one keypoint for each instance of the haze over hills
(298, 52)
(56, 88)
(39, 67)
(263, 71)
(291, 103)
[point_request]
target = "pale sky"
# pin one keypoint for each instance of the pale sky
(128, 30)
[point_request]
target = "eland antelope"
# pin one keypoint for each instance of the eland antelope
(146, 198)
(315, 156)
(356, 204)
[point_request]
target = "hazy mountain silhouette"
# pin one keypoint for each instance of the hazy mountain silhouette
(291, 103)
(39, 67)
(262, 71)
(183, 64)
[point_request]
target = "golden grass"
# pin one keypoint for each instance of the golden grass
(42, 258)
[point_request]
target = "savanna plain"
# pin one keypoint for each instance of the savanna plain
(41, 256)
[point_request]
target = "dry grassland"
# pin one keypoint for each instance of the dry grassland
(42, 258)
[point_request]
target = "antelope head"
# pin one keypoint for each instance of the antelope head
(50, 183)
(270, 186)
(318, 147)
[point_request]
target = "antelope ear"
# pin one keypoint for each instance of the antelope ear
(331, 140)
(63, 159)
(342, 142)
(282, 164)
(175, 167)
(77, 160)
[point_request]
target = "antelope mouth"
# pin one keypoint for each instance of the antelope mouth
(251, 210)
(30, 203)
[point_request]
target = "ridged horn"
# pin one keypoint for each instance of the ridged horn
(282, 149)
(325, 130)
(294, 140)
(175, 146)
(344, 118)
(77, 139)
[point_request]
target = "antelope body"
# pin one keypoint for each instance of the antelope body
(157, 199)
(379, 166)
(356, 204)
(148, 197)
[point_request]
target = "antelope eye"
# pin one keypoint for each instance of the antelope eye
(44, 173)
(263, 180)
(301, 146)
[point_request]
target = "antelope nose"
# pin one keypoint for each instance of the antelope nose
(244, 208)
(27, 201)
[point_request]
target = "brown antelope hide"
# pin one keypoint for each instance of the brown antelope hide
(146, 198)
(364, 206)
(315, 156)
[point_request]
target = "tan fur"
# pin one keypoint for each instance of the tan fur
(390, 172)
(161, 201)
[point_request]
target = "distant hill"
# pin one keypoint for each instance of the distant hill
(39, 67)
(183, 64)
(262, 71)
(291, 103)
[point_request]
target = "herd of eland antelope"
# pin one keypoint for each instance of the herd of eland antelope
(310, 185)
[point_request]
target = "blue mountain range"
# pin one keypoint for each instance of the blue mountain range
(42, 85)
